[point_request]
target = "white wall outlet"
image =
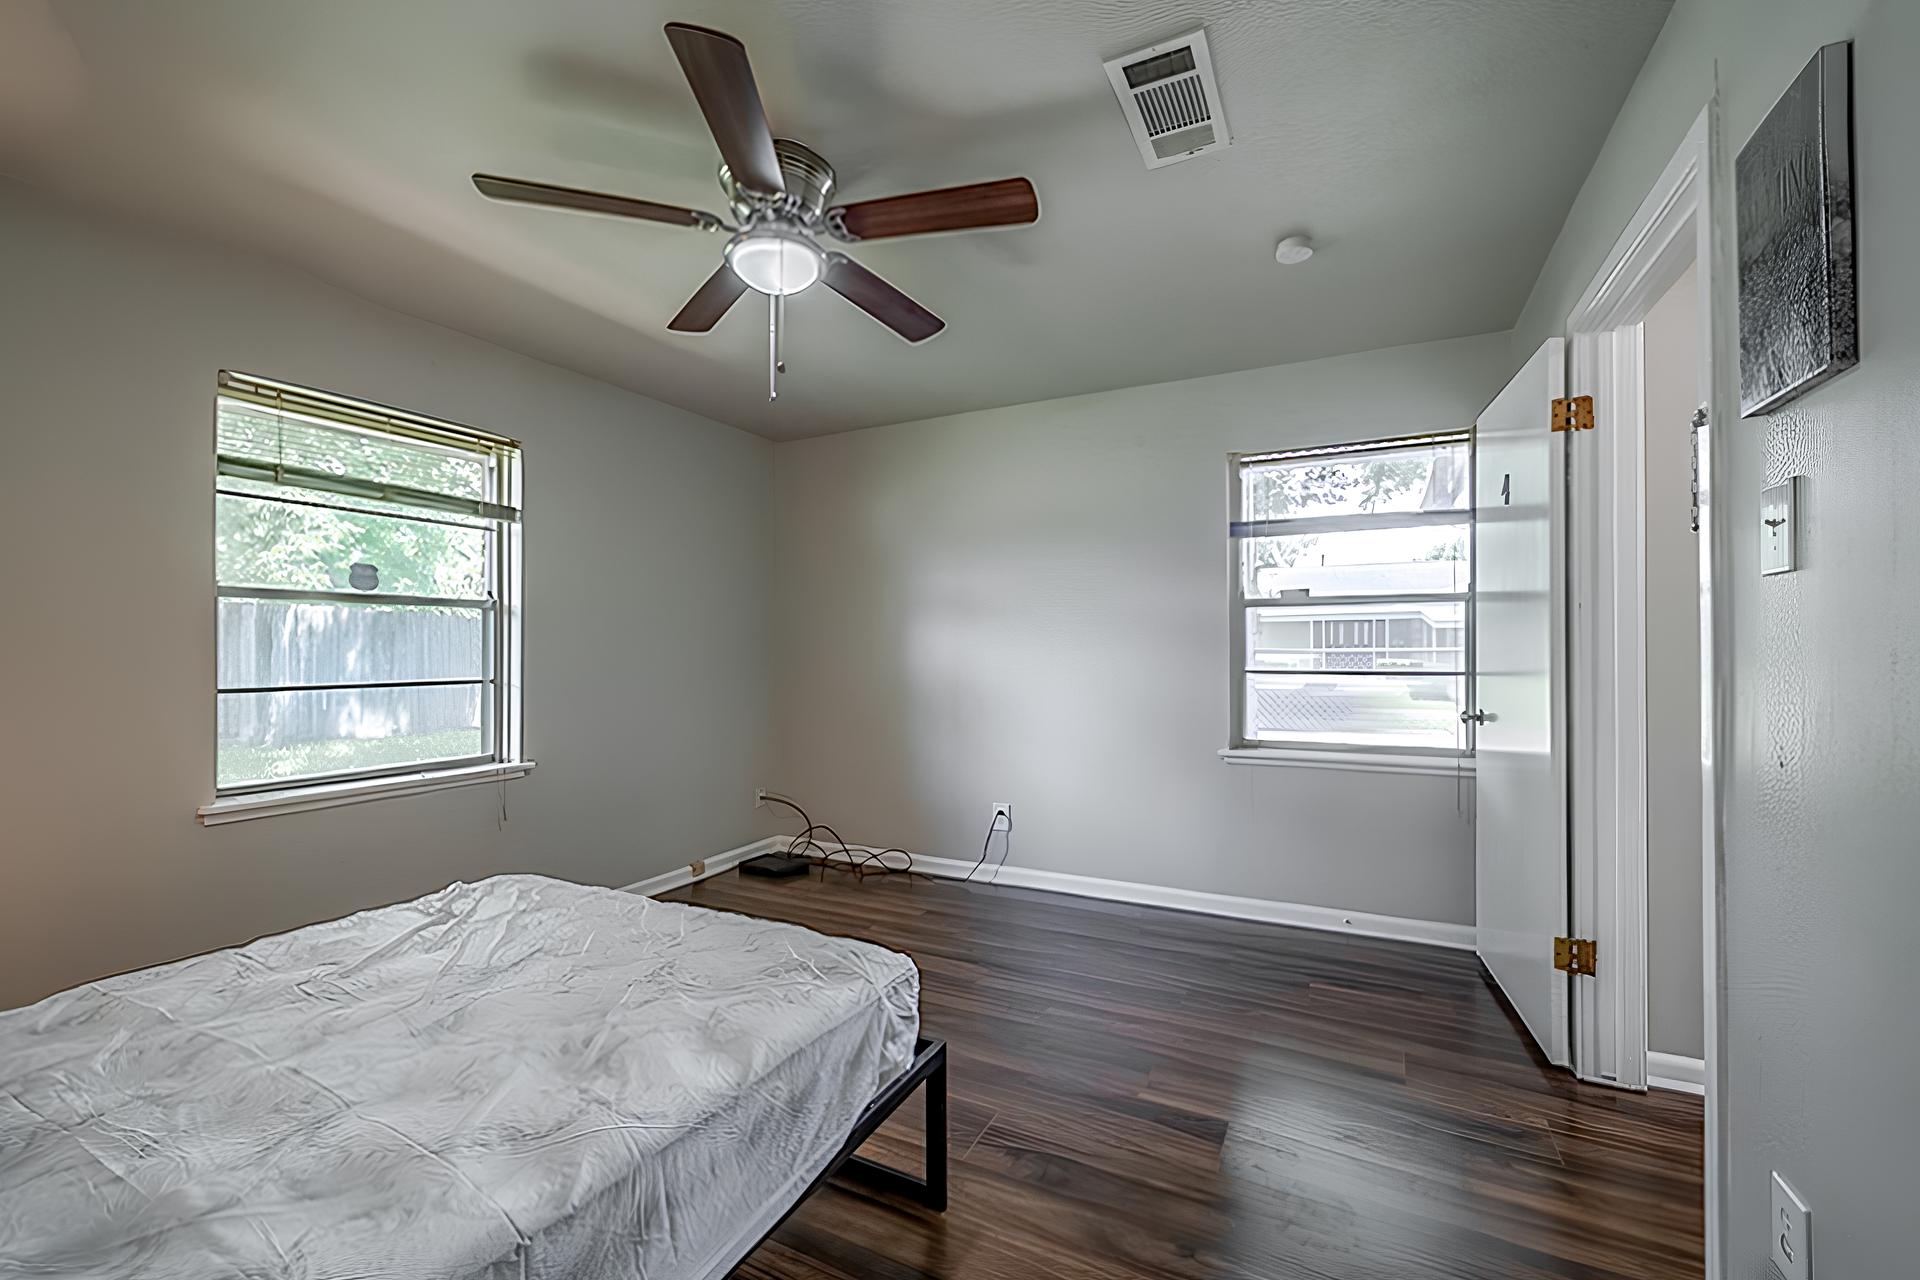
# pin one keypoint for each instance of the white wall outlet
(760, 798)
(1003, 815)
(1779, 513)
(1792, 1232)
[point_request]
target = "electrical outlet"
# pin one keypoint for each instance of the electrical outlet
(1792, 1232)
(1003, 815)
(760, 798)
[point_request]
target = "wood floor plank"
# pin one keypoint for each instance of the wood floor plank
(1140, 1094)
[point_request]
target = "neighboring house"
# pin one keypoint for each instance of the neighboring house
(1425, 639)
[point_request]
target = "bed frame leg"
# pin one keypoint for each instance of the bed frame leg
(936, 1193)
(929, 1069)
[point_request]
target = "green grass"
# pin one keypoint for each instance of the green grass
(242, 765)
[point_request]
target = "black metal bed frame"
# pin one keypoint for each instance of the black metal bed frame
(929, 1066)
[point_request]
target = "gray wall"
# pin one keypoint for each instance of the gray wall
(1030, 605)
(1676, 1016)
(1821, 807)
(647, 558)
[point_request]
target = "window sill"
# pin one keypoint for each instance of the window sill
(267, 804)
(1353, 761)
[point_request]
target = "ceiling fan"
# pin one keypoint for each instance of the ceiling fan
(779, 189)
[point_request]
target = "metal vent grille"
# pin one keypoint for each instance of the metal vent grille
(1173, 105)
(1170, 99)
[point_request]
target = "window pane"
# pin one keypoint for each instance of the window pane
(1355, 710)
(275, 642)
(270, 736)
(262, 543)
(1429, 477)
(1385, 637)
(1359, 562)
(248, 486)
(261, 435)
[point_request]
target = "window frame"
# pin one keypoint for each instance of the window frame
(1244, 748)
(500, 606)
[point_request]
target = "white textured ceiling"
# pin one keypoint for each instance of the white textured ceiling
(1431, 147)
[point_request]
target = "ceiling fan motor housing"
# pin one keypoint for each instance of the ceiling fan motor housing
(783, 202)
(809, 181)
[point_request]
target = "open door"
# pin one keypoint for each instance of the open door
(1520, 833)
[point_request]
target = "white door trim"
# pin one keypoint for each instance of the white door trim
(1684, 220)
(1673, 1072)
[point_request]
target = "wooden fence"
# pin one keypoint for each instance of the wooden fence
(274, 642)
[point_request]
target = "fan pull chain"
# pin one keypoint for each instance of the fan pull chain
(775, 366)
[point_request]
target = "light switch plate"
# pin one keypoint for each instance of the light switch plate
(1779, 514)
(1792, 1232)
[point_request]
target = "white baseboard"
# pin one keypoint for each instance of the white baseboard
(668, 881)
(1671, 1071)
(1331, 919)
(1433, 933)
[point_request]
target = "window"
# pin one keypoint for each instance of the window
(1351, 580)
(368, 570)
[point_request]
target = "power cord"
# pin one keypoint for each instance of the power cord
(1006, 847)
(860, 862)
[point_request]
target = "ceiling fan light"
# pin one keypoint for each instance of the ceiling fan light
(774, 262)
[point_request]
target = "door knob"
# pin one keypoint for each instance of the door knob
(1474, 717)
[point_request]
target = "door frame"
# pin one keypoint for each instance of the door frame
(1684, 220)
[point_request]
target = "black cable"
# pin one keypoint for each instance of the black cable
(880, 857)
(805, 838)
(1006, 851)
(768, 795)
(988, 844)
(866, 862)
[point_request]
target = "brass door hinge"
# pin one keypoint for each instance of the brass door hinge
(1576, 956)
(1573, 413)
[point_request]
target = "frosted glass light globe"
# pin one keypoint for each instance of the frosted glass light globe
(773, 261)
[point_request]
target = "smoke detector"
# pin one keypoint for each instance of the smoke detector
(1171, 100)
(1293, 251)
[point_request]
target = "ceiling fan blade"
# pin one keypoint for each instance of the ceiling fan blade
(717, 68)
(713, 299)
(880, 300)
(1010, 202)
(552, 197)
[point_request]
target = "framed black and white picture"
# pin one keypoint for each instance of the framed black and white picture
(1793, 191)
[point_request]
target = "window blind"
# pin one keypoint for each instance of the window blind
(272, 437)
(1340, 487)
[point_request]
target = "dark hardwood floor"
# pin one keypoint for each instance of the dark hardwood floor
(1148, 1093)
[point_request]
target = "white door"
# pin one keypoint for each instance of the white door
(1520, 833)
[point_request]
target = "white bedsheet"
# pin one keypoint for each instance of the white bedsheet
(520, 1077)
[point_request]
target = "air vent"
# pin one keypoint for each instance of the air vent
(1171, 100)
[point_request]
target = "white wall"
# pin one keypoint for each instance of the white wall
(1030, 605)
(1676, 1013)
(647, 558)
(1821, 808)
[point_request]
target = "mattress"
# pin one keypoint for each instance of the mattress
(515, 1078)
